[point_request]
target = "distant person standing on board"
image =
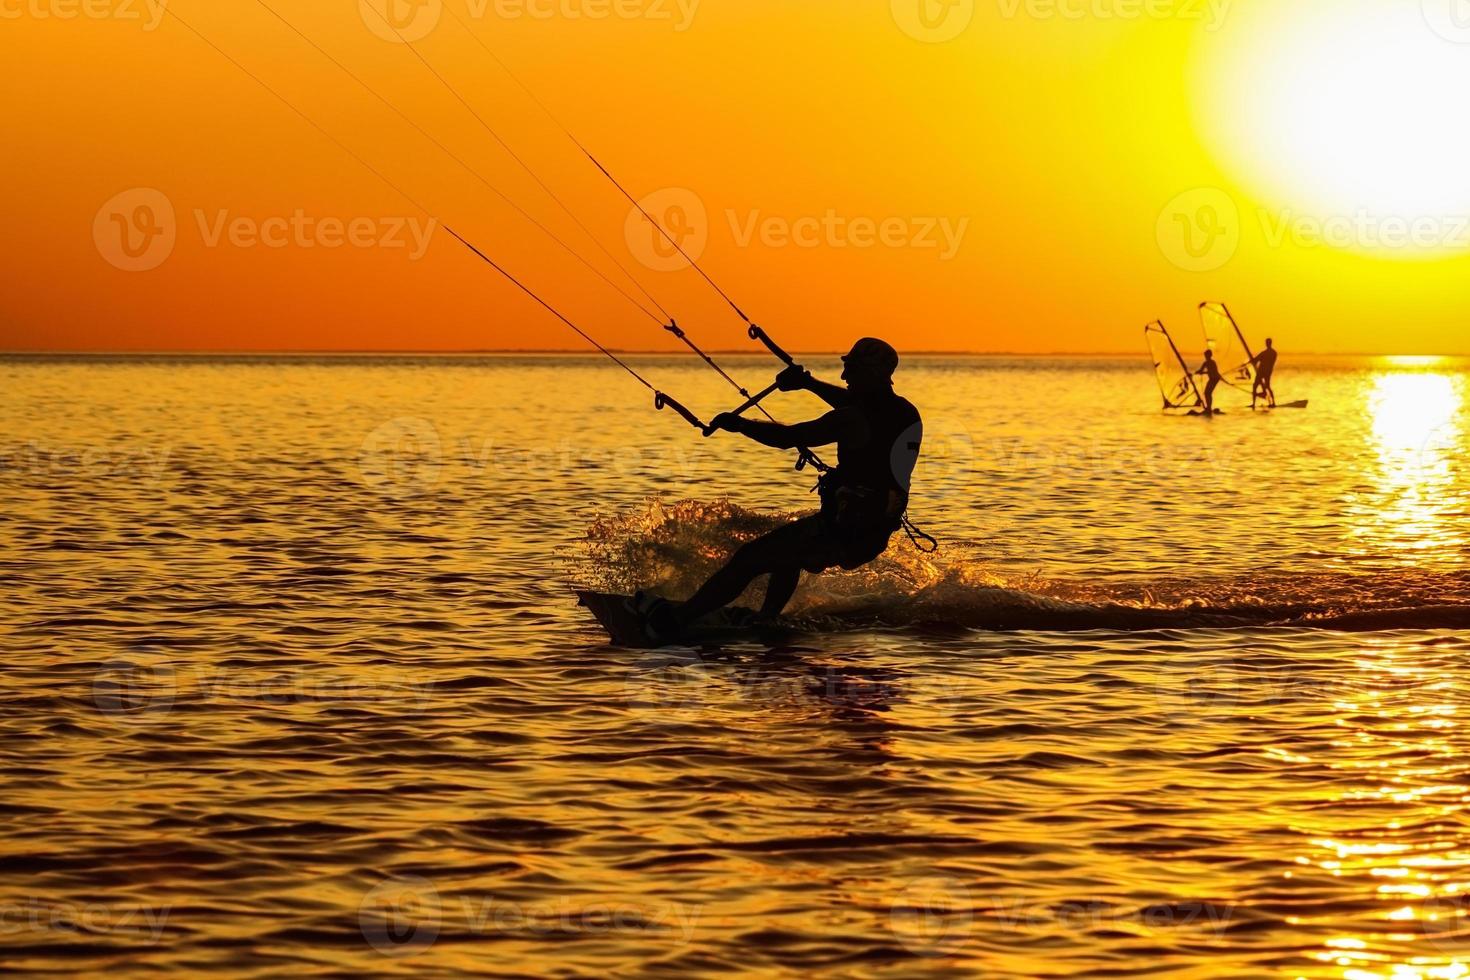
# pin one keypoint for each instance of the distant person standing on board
(1210, 370)
(1265, 365)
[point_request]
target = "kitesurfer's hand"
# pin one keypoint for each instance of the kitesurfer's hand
(725, 422)
(794, 378)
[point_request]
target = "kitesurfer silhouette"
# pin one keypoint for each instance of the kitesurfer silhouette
(878, 436)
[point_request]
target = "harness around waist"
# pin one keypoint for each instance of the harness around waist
(858, 508)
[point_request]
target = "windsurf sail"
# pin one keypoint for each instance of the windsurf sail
(1176, 382)
(1232, 351)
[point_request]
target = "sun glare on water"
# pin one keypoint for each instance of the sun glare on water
(1416, 419)
(1347, 113)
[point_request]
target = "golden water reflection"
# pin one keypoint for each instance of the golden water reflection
(1394, 745)
(1412, 508)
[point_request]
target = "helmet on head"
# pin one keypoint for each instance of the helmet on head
(874, 354)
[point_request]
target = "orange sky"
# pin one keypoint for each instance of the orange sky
(1013, 188)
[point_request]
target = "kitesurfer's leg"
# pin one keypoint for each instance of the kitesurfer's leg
(776, 552)
(779, 591)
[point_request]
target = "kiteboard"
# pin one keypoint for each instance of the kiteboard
(617, 614)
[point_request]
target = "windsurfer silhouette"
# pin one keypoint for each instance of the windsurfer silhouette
(878, 436)
(1265, 365)
(1211, 371)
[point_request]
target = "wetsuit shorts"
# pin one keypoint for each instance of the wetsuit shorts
(853, 529)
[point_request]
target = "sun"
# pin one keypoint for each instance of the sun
(1349, 113)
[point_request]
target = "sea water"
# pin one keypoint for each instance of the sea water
(296, 685)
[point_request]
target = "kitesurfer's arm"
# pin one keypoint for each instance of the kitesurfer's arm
(834, 395)
(797, 378)
(832, 427)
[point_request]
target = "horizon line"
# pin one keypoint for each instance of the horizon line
(627, 351)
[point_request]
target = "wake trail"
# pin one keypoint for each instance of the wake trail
(670, 548)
